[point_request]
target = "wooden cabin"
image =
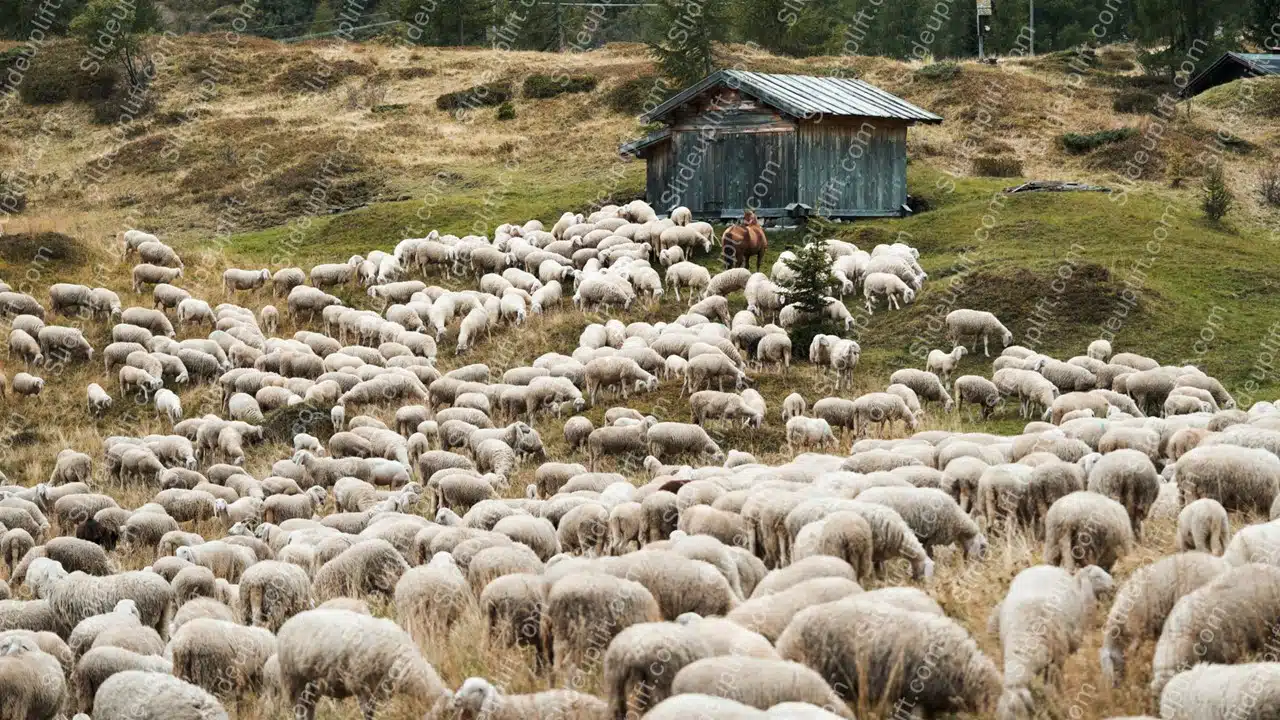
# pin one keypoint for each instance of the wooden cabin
(782, 145)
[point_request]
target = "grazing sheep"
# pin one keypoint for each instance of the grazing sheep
(31, 680)
(896, 292)
(1241, 479)
(1203, 525)
(771, 682)
(141, 695)
(478, 698)
(934, 516)
(1086, 528)
(1226, 620)
(642, 662)
(770, 614)
(339, 653)
(1128, 477)
(101, 663)
(1040, 622)
(1246, 690)
(1145, 600)
(271, 592)
(876, 653)
(370, 567)
(979, 391)
(793, 406)
(927, 386)
(584, 610)
(224, 658)
(976, 323)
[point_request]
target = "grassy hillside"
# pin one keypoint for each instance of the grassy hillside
(237, 193)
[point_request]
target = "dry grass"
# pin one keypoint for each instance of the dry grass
(251, 128)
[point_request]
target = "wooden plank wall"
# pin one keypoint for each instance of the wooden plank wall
(849, 166)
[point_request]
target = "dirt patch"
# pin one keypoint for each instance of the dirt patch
(144, 155)
(42, 249)
(317, 75)
(1088, 297)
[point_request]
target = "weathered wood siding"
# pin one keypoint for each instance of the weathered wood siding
(728, 152)
(855, 167)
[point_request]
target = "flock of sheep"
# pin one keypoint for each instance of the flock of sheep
(720, 587)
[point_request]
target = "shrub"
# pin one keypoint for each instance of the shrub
(55, 76)
(506, 111)
(1134, 101)
(13, 199)
(946, 70)
(121, 102)
(997, 167)
(548, 86)
(1080, 143)
(632, 96)
(490, 95)
(1269, 187)
(1217, 198)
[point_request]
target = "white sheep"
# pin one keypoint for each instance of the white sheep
(891, 286)
(237, 279)
(793, 406)
(943, 363)
(689, 275)
(168, 405)
(804, 432)
(976, 323)
(1145, 600)
(1041, 621)
(1086, 528)
(1203, 525)
(478, 698)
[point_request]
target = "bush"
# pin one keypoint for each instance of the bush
(946, 70)
(997, 167)
(547, 86)
(632, 96)
(13, 199)
(1135, 102)
(1080, 143)
(490, 95)
(1217, 198)
(1269, 187)
(55, 76)
(506, 111)
(121, 102)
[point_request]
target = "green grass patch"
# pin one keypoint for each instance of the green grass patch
(541, 87)
(941, 71)
(1081, 143)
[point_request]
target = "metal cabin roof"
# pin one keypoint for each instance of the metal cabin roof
(804, 96)
(1258, 64)
(635, 146)
(1265, 64)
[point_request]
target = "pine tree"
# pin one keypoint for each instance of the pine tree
(807, 289)
(1218, 198)
(686, 49)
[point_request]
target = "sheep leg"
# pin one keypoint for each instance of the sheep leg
(985, 350)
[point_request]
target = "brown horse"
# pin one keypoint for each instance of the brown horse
(741, 242)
